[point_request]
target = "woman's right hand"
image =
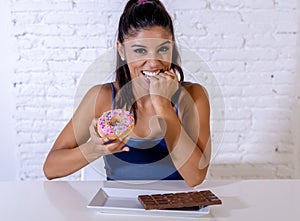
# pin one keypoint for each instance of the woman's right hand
(98, 146)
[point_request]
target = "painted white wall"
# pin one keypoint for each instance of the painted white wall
(249, 45)
(8, 153)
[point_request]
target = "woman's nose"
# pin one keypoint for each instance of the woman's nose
(153, 58)
(152, 62)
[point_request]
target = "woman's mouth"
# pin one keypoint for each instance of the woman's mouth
(150, 74)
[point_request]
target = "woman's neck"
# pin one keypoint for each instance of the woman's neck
(144, 103)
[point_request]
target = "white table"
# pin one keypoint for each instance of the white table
(242, 200)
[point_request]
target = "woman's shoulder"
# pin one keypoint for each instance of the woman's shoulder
(101, 89)
(194, 89)
(99, 96)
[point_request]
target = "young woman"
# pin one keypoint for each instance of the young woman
(171, 137)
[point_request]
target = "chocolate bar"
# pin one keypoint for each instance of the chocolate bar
(179, 200)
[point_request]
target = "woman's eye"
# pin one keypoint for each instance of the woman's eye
(163, 49)
(140, 51)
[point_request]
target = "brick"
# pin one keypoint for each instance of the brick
(49, 126)
(258, 90)
(238, 114)
(71, 66)
(208, 16)
(249, 54)
(31, 137)
(60, 89)
(30, 114)
(31, 41)
(70, 18)
(59, 102)
(285, 171)
(271, 113)
(212, 42)
(287, 28)
(89, 6)
(265, 149)
(117, 5)
(243, 78)
(42, 55)
(258, 4)
(266, 158)
(88, 54)
(237, 125)
(227, 66)
(268, 16)
(44, 30)
(91, 30)
(28, 6)
(101, 18)
(257, 29)
(231, 90)
(41, 147)
(25, 43)
(282, 65)
(63, 114)
(243, 171)
(225, 5)
(272, 125)
(75, 42)
(282, 143)
(188, 5)
(229, 158)
(228, 148)
(280, 78)
(259, 102)
(227, 137)
(287, 52)
(25, 101)
(32, 90)
(22, 18)
(274, 41)
(32, 54)
(287, 4)
(284, 77)
(227, 27)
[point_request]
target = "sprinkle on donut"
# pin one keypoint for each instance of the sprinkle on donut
(116, 123)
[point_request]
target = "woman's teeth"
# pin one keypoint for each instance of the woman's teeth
(150, 74)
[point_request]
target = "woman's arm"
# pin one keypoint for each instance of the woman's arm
(65, 156)
(188, 138)
(71, 151)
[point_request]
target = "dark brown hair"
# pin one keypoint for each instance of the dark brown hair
(138, 15)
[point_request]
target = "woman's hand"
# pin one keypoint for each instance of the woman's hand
(98, 146)
(163, 86)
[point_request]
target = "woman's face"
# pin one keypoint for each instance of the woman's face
(147, 53)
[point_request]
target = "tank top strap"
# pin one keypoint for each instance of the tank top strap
(176, 109)
(176, 104)
(112, 95)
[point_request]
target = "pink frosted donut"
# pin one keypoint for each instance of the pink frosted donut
(116, 123)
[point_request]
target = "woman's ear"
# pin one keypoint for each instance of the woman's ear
(121, 50)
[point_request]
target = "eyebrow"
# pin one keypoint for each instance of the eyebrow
(142, 46)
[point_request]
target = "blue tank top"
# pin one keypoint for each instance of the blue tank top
(148, 159)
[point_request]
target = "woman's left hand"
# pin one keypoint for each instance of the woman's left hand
(163, 86)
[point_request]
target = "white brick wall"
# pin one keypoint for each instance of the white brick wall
(249, 45)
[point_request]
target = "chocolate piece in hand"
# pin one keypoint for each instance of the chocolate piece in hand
(179, 200)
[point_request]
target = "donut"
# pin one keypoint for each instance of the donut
(116, 123)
